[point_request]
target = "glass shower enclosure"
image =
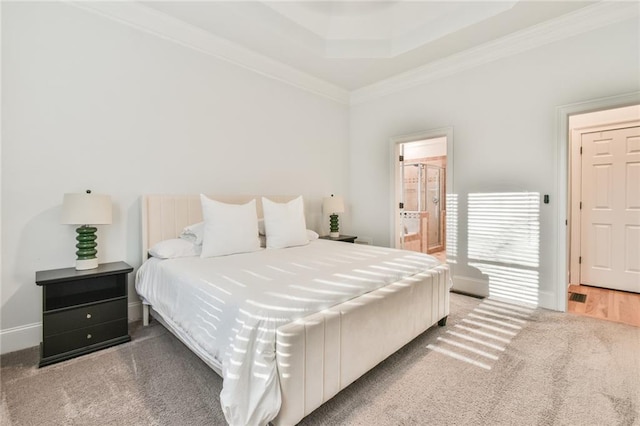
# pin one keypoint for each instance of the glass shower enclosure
(423, 207)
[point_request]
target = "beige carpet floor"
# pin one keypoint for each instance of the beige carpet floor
(492, 364)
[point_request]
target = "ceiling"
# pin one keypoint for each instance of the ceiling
(353, 44)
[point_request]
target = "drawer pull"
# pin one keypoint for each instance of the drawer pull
(88, 316)
(88, 336)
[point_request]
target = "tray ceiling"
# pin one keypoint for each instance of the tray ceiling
(358, 43)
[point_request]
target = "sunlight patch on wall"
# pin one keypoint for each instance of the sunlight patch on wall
(504, 243)
(505, 227)
(516, 285)
(452, 227)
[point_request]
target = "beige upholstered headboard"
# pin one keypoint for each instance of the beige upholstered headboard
(164, 216)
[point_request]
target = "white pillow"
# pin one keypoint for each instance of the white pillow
(193, 233)
(312, 235)
(175, 247)
(284, 223)
(229, 228)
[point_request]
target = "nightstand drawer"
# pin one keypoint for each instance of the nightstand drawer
(84, 316)
(65, 342)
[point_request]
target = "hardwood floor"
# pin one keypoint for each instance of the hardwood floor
(610, 305)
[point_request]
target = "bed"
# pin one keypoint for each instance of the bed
(303, 322)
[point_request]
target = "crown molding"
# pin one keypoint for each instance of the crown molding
(584, 20)
(164, 26)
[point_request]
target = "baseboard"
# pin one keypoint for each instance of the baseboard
(27, 336)
(470, 286)
(22, 337)
(135, 311)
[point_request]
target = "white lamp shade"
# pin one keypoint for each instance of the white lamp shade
(86, 209)
(333, 205)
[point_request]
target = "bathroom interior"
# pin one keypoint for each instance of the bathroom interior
(424, 192)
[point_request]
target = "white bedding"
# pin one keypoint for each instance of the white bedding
(231, 306)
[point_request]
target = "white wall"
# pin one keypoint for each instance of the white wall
(436, 147)
(90, 103)
(503, 118)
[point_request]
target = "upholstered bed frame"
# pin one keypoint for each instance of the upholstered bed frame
(319, 355)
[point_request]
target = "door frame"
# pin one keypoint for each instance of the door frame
(561, 270)
(396, 184)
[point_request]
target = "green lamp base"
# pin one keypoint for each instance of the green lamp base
(333, 226)
(86, 246)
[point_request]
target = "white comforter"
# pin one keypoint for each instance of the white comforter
(231, 306)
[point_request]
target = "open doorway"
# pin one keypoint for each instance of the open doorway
(604, 226)
(422, 181)
(424, 165)
(563, 168)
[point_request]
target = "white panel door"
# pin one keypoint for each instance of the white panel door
(610, 222)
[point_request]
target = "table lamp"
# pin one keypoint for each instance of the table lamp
(86, 210)
(333, 205)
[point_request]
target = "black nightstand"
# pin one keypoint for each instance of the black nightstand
(343, 238)
(82, 311)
